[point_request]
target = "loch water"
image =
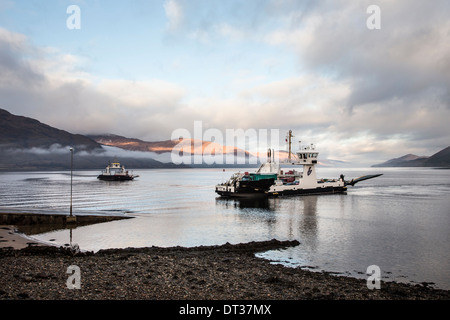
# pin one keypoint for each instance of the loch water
(399, 221)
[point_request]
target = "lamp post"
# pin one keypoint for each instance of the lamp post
(71, 218)
(71, 179)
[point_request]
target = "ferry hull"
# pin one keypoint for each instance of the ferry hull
(246, 189)
(318, 190)
(229, 194)
(247, 195)
(287, 192)
(114, 178)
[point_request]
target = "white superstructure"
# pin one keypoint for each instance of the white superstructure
(294, 181)
(271, 180)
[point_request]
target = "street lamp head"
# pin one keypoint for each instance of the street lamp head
(71, 149)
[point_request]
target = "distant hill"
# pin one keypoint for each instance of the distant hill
(17, 132)
(27, 144)
(439, 159)
(133, 144)
(409, 160)
(194, 146)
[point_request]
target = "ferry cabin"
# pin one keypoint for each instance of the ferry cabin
(295, 182)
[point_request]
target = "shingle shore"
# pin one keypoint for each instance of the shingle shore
(226, 272)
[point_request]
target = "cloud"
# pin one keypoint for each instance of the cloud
(174, 14)
(114, 152)
(396, 80)
(53, 149)
(50, 86)
(349, 87)
(141, 94)
(410, 53)
(14, 67)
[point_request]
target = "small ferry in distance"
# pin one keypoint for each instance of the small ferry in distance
(271, 181)
(115, 172)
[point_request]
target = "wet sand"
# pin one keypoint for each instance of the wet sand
(226, 272)
(12, 238)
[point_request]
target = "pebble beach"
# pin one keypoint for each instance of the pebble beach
(31, 271)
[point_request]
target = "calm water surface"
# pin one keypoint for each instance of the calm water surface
(399, 221)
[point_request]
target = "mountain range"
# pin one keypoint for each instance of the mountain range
(439, 159)
(193, 146)
(28, 144)
(17, 132)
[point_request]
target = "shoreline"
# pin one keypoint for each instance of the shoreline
(221, 272)
(34, 221)
(11, 237)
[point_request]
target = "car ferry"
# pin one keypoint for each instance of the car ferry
(115, 172)
(270, 180)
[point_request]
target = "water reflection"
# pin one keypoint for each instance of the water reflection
(307, 225)
(252, 212)
(292, 217)
(35, 229)
(258, 203)
(308, 222)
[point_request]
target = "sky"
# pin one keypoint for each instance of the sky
(143, 69)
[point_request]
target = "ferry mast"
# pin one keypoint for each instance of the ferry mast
(289, 140)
